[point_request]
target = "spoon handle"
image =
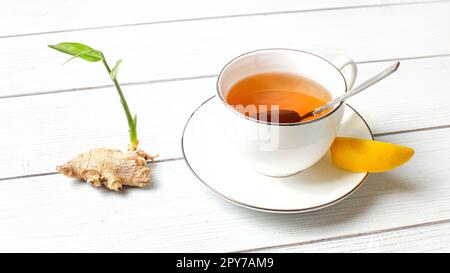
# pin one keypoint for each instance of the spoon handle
(388, 71)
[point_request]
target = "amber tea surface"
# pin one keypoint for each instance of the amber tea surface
(289, 92)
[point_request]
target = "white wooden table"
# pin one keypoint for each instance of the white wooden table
(172, 52)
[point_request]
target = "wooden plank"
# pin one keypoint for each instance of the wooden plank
(39, 132)
(429, 238)
(77, 121)
(24, 17)
(177, 213)
(190, 49)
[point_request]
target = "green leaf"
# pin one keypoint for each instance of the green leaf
(79, 50)
(113, 73)
(77, 56)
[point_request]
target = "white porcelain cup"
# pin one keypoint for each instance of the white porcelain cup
(283, 149)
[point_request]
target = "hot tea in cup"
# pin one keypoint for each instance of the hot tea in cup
(264, 94)
(283, 97)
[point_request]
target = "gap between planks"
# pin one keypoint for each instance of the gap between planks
(78, 89)
(348, 236)
(224, 17)
(181, 158)
(53, 173)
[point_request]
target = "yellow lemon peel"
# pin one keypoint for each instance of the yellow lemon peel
(362, 155)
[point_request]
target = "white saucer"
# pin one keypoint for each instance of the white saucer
(217, 165)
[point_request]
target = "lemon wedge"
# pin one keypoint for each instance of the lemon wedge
(361, 155)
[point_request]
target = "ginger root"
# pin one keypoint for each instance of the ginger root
(109, 167)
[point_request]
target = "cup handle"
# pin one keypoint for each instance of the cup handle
(348, 68)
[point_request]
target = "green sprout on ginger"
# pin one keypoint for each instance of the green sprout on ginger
(87, 53)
